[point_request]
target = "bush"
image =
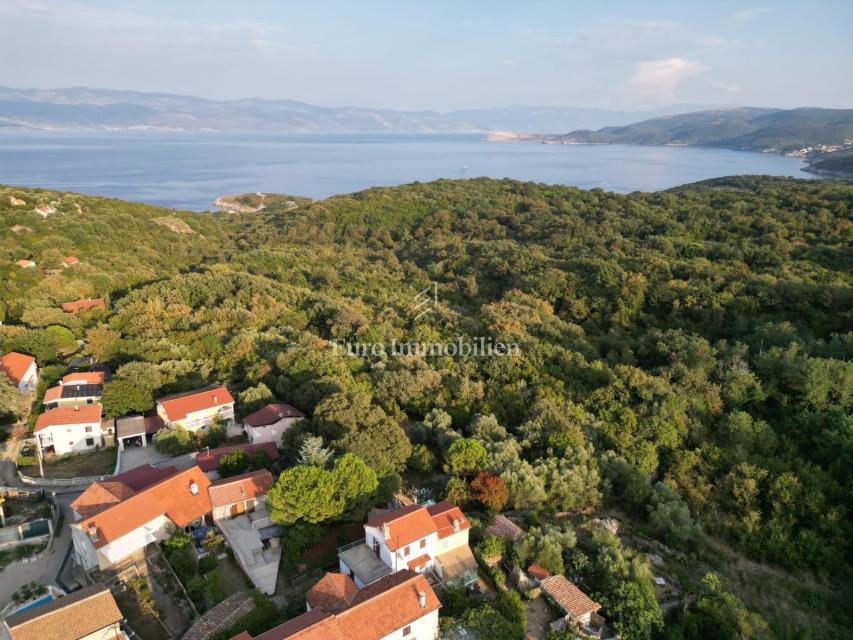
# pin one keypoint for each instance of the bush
(26, 461)
(264, 616)
(510, 606)
(207, 564)
(174, 442)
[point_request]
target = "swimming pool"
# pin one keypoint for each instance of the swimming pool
(37, 603)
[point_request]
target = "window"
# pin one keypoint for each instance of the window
(423, 543)
(88, 429)
(407, 630)
(90, 442)
(406, 551)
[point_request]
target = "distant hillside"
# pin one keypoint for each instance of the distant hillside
(81, 108)
(837, 163)
(744, 128)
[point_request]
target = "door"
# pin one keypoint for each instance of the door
(237, 509)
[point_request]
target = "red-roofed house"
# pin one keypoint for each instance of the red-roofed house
(26, 264)
(400, 606)
(230, 497)
(197, 410)
(209, 460)
(85, 387)
(21, 370)
(69, 429)
(84, 304)
(270, 423)
(579, 608)
(123, 529)
(70, 261)
(424, 539)
(102, 495)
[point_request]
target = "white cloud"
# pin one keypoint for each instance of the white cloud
(659, 79)
(728, 87)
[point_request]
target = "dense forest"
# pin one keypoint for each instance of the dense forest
(683, 364)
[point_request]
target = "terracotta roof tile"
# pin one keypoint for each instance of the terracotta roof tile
(84, 377)
(405, 525)
(178, 407)
(571, 599)
(99, 496)
(538, 572)
(503, 527)
(333, 592)
(172, 497)
(271, 414)
(417, 563)
(15, 365)
(74, 616)
(239, 488)
(83, 414)
(84, 304)
(385, 606)
(444, 514)
(144, 476)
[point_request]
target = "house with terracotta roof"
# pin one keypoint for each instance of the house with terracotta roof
(197, 410)
(44, 212)
(84, 304)
(431, 540)
(239, 510)
(25, 264)
(102, 495)
(135, 519)
(270, 423)
(580, 612)
(72, 429)
(70, 261)
(76, 389)
(399, 606)
(21, 370)
(90, 613)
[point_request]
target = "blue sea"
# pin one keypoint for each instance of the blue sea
(190, 170)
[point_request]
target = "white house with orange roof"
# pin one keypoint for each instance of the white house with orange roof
(400, 606)
(72, 429)
(269, 423)
(120, 522)
(21, 370)
(197, 410)
(431, 539)
(75, 389)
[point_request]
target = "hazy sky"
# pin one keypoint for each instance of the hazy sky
(440, 55)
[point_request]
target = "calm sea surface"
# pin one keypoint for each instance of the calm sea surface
(189, 170)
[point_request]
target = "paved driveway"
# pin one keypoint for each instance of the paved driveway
(133, 457)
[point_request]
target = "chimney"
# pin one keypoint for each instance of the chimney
(93, 533)
(193, 488)
(214, 397)
(386, 530)
(456, 525)
(422, 599)
(76, 407)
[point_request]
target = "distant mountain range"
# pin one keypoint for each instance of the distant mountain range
(81, 108)
(803, 132)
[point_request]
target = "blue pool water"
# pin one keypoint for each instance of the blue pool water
(37, 603)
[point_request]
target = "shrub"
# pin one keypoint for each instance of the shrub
(207, 564)
(26, 461)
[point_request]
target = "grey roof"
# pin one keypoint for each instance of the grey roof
(364, 564)
(130, 426)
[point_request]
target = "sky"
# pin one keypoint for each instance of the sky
(440, 55)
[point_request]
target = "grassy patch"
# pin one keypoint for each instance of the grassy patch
(74, 465)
